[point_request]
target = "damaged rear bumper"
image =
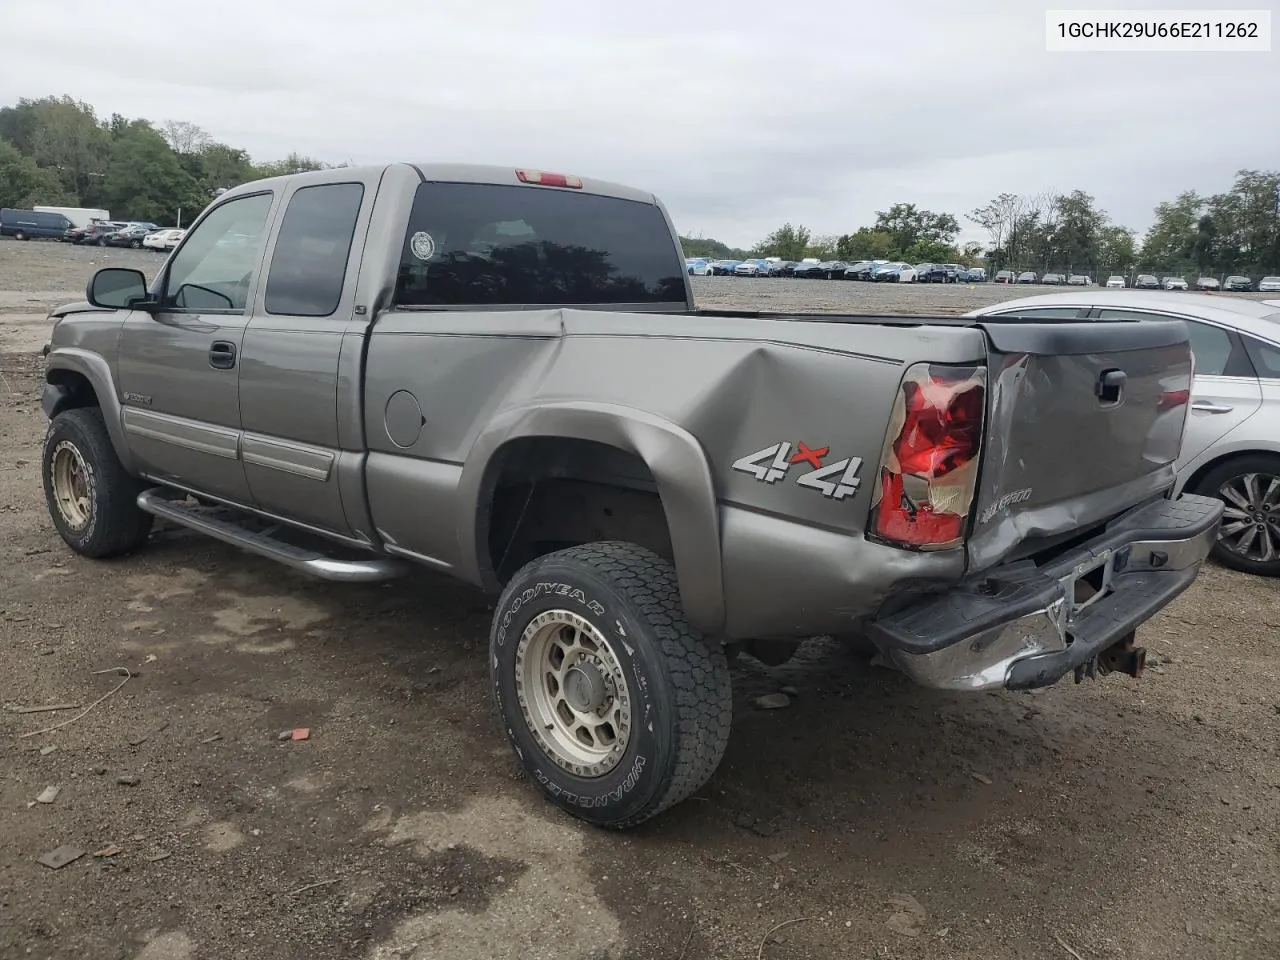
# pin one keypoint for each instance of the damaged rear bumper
(1024, 626)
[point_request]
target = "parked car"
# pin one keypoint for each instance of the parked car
(1208, 283)
(1237, 284)
(165, 240)
(1005, 276)
(1146, 281)
(1027, 276)
(931, 273)
(1053, 279)
(862, 270)
(723, 268)
(1269, 285)
(95, 233)
(975, 275)
(628, 520)
(33, 224)
(753, 268)
(953, 272)
(131, 236)
(1175, 283)
(895, 273)
(1114, 282)
(823, 270)
(782, 268)
(1231, 449)
(1078, 280)
(696, 266)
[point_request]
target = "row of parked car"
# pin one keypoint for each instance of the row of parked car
(1143, 281)
(128, 233)
(46, 225)
(881, 271)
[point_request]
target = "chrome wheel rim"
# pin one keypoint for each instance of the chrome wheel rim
(572, 693)
(72, 485)
(1251, 521)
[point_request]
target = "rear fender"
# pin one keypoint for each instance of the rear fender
(673, 456)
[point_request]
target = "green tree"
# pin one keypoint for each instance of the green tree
(144, 179)
(1117, 249)
(711, 249)
(23, 184)
(1077, 233)
(865, 243)
(67, 139)
(930, 251)
(1168, 244)
(908, 225)
(787, 242)
(293, 163)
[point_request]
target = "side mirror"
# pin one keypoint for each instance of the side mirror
(117, 288)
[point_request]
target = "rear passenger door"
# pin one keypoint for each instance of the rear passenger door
(1225, 391)
(290, 382)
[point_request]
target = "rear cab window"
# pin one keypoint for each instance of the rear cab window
(498, 245)
(309, 263)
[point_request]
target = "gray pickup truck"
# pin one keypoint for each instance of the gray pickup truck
(500, 374)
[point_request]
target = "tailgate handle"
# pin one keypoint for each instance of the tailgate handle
(1110, 383)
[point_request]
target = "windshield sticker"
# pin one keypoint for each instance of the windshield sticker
(422, 245)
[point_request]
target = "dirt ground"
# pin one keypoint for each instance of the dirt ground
(1115, 819)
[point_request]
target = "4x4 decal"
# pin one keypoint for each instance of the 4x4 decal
(834, 481)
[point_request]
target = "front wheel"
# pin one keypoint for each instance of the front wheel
(136, 244)
(1249, 535)
(615, 705)
(91, 498)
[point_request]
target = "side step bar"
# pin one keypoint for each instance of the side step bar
(218, 522)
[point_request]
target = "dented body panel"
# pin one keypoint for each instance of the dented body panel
(391, 425)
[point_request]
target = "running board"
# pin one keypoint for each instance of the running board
(224, 524)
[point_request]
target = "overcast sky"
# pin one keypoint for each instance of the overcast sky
(739, 114)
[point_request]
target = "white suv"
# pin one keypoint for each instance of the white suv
(1113, 282)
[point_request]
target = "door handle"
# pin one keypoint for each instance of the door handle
(1204, 406)
(222, 355)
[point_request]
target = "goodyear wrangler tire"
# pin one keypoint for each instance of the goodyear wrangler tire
(615, 705)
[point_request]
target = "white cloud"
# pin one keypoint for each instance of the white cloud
(739, 114)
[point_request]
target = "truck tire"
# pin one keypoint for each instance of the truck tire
(615, 705)
(1230, 482)
(91, 499)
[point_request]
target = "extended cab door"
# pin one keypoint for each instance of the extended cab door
(179, 365)
(303, 329)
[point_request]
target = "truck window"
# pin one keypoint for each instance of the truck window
(471, 244)
(214, 269)
(309, 263)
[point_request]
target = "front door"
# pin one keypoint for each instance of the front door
(179, 364)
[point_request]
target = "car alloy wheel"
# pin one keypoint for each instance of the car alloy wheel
(1251, 521)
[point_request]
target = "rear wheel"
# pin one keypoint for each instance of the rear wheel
(91, 499)
(136, 244)
(1249, 536)
(615, 705)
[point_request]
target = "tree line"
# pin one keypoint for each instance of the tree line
(1233, 232)
(57, 151)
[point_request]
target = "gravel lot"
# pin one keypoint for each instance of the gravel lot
(1116, 819)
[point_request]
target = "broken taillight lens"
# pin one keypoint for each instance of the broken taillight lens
(929, 466)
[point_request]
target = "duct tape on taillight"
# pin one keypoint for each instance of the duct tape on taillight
(929, 464)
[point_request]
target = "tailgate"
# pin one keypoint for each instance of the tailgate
(1085, 421)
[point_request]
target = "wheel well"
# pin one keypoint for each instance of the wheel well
(548, 493)
(80, 392)
(1194, 481)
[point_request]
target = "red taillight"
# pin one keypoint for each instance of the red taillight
(929, 467)
(541, 179)
(1172, 399)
